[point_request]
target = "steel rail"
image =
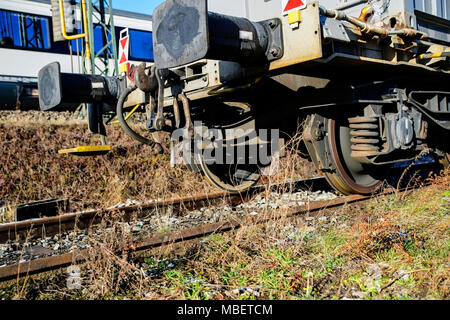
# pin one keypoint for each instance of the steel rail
(164, 239)
(51, 226)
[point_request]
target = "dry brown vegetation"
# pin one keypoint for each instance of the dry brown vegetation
(393, 247)
(33, 170)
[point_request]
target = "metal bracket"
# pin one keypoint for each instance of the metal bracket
(314, 136)
(334, 30)
(275, 49)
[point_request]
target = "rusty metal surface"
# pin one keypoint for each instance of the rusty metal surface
(164, 239)
(205, 230)
(46, 227)
(42, 265)
(37, 228)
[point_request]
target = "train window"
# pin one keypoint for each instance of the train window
(24, 30)
(98, 41)
(141, 45)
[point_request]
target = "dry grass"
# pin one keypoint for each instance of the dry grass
(390, 248)
(32, 169)
(394, 247)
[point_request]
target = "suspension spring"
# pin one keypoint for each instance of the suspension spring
(365, 136)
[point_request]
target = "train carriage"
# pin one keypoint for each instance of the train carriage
(368, 81)
(27, 43)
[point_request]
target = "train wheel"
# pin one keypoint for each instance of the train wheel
(237, 177)
(231, 178)
(350, 176)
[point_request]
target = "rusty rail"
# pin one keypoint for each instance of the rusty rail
(47, 227)
(165, 239)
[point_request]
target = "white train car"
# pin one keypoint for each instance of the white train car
(26, 45)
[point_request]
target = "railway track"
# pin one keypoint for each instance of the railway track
(87, 220)
(50, 226)
(165, 239)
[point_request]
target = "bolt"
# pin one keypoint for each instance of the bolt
(275, 52)
(159, 124)
(317, 134)
(273, 24)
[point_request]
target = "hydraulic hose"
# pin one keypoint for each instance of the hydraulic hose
(123, 123)
(370, 28)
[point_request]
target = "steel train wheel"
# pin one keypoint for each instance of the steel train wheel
(350, 176)
(233, 178)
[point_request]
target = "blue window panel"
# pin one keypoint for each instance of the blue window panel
(35, 29)
(9, 28)
(46, 33)
(141, 45)
(14, 21)
(37, 40)
(98, 41)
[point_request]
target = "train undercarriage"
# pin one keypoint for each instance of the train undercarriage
(354, 142)
(363, 97)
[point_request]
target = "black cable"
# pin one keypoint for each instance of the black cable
(123, 123)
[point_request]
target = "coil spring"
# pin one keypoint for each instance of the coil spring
(365, 136)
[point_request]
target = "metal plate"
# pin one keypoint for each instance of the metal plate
(334, 29)
(181, 30)
(49, 84)
(87, 151)
(303, 43)
(38, 209)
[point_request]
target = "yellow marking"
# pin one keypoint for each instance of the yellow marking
(124, 68)
(128, 115)
(432, 55)
(86, 150)
(294, 16)
(364, 11)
